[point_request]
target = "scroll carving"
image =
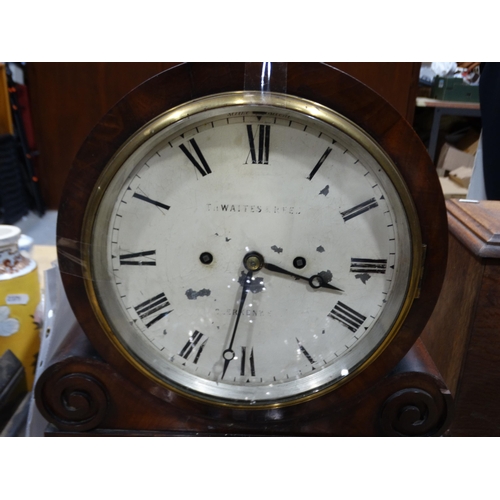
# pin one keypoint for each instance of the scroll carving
(75, 401)
(415, 412)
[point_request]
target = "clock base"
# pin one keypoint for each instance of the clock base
(81, 395)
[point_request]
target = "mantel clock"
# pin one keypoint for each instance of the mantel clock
(251, 252)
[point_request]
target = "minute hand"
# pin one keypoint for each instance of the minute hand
(315, 281)
(229, 354)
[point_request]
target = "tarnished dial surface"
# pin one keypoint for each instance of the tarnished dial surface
(251, 251)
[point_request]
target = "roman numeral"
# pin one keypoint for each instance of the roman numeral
(243, 362)
(304, 351)
(204, 169)
(132, 259)
(190, 345)
(368, 266)
(320, 162)
(347, 316)
(151, 306)
(149, 200)
(261, 154)
(359, 209)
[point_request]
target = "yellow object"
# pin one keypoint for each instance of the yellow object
(19, 300)
(6, 123)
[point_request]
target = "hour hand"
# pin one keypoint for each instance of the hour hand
(316, 281)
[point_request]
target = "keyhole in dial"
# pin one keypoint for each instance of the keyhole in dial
(206, 258)
(299, 262)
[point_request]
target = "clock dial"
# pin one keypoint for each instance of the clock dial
(251, 251)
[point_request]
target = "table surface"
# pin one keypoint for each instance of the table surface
(426, 102)
(44, 256)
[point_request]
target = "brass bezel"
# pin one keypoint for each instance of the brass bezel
(284, 102)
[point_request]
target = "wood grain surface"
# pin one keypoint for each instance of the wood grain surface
(462, 334)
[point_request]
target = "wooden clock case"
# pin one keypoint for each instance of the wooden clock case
(462, 333)
(91, 388)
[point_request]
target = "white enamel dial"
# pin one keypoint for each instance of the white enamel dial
(251, 253)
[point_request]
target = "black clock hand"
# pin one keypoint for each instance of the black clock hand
(315, 281)
(229, 354)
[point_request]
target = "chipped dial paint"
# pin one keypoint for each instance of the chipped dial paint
(192, 295)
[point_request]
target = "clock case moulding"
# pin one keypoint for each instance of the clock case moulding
(91, 387)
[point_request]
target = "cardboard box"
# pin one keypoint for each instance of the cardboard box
(452, 190)
(469, 142)
(461, 176)
(451, 158)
